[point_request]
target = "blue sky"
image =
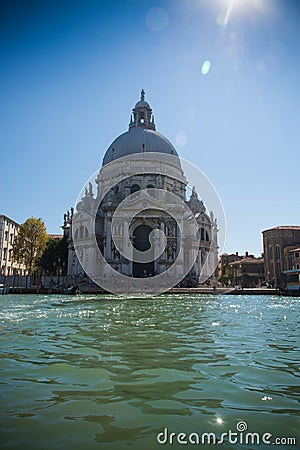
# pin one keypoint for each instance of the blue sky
(71, 71)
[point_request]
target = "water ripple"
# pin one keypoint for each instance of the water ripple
(79, 371)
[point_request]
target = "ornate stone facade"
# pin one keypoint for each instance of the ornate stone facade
(141, 138)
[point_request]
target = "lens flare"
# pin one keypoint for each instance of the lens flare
(241, 6)
(205, 67)
(157, 19)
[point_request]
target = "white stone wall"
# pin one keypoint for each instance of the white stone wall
(8, 231)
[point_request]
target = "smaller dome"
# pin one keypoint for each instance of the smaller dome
(142, 104)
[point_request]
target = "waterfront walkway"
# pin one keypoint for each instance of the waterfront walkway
(92, 289)
(58, 285)
(226, 291)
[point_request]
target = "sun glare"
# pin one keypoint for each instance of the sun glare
(239, 7)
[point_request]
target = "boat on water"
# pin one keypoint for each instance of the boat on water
(290, 282)
(73, 290)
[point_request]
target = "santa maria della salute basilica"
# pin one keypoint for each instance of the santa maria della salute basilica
(137, 218)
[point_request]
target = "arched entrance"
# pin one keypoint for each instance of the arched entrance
(141, 243)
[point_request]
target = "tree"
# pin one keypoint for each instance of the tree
(55, 256)
(30, 243)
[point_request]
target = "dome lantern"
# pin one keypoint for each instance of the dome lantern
(142, 115)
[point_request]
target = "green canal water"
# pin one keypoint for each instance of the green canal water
(93, 372)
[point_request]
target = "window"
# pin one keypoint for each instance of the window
(11, 238)
(297, 255)
(202, 234)
(134, 188)
(81, 233)
(270, 252)
(278, 268)
(4, 253)
(6, 235)
(277, 252)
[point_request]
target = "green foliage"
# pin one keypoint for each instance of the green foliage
(223, 279)
(30, 243)
(54, 256)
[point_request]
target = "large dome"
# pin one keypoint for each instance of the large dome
(141, 136)
(138, 140)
